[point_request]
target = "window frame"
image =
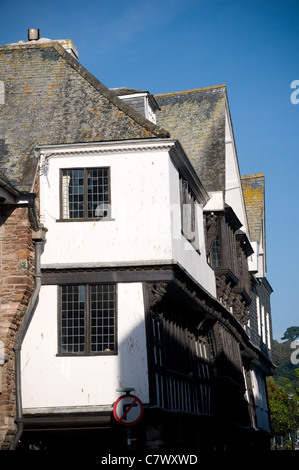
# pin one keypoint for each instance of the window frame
(87, 316)
(188, 208)
(215, 257)
(224, 246)
(85, 217)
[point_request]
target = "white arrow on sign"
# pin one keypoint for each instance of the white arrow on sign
(128, 410)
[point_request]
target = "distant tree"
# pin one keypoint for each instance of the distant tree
(291, 333)
(278, 407)
(281, 355)
(297, 382)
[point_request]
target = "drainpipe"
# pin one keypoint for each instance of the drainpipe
(38, 239)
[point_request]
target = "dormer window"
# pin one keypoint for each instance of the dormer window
(142, 101)
(150, 111)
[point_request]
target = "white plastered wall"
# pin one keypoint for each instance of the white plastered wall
(260, 399)
(139, 228)
(51, 381)
(233, 186)
(183, 251)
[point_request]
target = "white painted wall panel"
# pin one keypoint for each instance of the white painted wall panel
(54, 381)
(145, 214)
(183, 251)
(233, 187)
(260, 399)
(140, 229)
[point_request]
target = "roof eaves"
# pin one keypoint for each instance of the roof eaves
(8, 193)
(4, 183)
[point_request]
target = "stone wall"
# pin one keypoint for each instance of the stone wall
(16, 285)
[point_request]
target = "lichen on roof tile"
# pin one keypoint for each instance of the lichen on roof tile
(197, 119)
(254, 196)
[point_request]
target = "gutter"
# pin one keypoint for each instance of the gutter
(8, 193)
(8, 187)
(38, 239)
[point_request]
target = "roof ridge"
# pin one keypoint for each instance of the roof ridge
(191, 90)
(255, 175)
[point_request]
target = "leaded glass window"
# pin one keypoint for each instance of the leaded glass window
(87, 319)
(216, 253)
(85, 193)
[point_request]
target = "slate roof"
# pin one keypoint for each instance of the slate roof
(254, 196)
(51, 99)
(197, 119)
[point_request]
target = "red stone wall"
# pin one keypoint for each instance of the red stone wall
(16, 285)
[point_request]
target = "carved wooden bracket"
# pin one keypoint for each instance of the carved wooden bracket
(228, 295)
(156, 292)
(241, 309)
(224, 288)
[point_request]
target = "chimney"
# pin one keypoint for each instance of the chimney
(33, 34)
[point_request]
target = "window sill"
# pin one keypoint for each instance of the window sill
(104, 353)
(102, 219)
(192, 243)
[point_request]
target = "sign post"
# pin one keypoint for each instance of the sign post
(128, 411)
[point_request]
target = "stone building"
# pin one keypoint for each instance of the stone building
(128, 261)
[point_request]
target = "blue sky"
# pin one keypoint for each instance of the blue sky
(170, 45)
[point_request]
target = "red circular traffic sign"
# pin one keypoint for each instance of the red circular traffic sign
(128, 410)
